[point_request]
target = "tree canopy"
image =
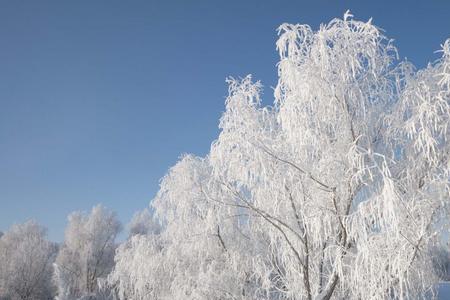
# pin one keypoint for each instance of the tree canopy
(337, 191)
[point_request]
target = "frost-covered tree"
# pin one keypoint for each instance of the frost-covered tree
(143, 223)
(87, 253)
(26, 258)
(337, 191)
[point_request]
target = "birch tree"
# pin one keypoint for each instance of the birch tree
(87, 253)
(26, 258)
(337, 191)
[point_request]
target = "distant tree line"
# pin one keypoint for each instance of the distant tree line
(31, 267)
(82, 267)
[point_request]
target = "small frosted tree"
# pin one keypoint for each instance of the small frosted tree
(87, 253)
(26, 258)
(337, 191)
(143, 223)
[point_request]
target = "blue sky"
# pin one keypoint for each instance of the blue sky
(99, 98)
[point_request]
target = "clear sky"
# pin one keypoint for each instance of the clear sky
(99, 98)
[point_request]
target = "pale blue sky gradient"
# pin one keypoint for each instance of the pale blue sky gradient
(99, 98)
